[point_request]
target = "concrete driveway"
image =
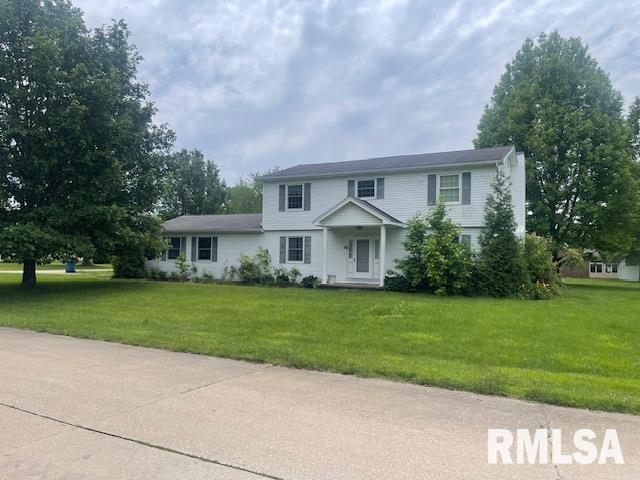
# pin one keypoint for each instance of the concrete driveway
(78, 409)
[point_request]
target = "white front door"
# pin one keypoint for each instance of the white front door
(360, 258)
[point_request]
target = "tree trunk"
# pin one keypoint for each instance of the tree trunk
(29, 272)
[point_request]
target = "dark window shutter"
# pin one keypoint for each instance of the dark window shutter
(307, 249)
(431, 189)
(183, 245)
(283, 194)
(351, 188)
(466, 188)
(214, 249)
(307, 196)
(164, 256)
(380, 188)
(194, 249)
(283, 249)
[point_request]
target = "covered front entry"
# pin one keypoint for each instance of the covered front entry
(354, 242)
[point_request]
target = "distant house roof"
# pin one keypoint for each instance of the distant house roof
(239, 223)
(399, 162)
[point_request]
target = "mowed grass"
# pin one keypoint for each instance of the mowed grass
(581, 349)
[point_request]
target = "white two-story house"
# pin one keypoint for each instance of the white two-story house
(344, 222)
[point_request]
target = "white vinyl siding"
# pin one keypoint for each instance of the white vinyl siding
(405, 195)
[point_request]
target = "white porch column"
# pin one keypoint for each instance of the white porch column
(324, 254)
(383, 251)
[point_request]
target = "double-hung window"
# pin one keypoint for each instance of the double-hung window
(294, 197)
(174, 248)
(366, 188)
(204, 248)
(450, 188)
(295, 249)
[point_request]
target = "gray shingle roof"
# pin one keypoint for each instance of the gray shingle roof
(241, 223)
(399, 162)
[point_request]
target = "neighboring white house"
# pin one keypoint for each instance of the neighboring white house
(344, 222)
(629, 273)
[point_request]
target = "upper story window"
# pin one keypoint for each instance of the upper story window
(294, 197)
(174, 248)
(366, 188)
(204, 248)
(450, 188)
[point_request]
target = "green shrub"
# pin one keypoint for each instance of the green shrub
(447, 261)
(183, 267)
(398, 283)
(310, 281)
(412, 267)
(436, 261)
(538, 259)
(128, 265)
(256, 269)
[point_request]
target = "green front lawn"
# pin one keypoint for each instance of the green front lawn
(581, 349)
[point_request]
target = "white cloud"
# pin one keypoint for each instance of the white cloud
(278, 82)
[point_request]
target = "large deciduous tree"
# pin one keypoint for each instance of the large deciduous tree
(246, 195)
(557, 105)
(80, 159)
(192, 185)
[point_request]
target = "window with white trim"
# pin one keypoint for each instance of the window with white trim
(294, 197)
(174, 248)
(449, 188)
(366, 188)
(295, 249)
(204, 248)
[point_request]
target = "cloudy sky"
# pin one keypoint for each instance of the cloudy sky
(262, 83)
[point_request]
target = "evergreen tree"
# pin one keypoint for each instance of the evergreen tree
(501, 268)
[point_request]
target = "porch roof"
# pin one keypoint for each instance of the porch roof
(365, 207)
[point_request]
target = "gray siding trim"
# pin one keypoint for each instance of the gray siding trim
(431, 189)
(380, 188)
(351, 188)
(283, 249)
(307, 249)
(466, 188)
(194, 249)
(214, 249)
(283, 194)
(307, 196)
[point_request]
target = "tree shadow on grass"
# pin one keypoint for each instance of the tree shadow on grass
(73, 288)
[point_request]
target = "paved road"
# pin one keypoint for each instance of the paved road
(78, 409)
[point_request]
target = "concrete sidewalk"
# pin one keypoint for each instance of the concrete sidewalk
(85, 409)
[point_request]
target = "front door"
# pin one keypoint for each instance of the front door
(360, 265)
